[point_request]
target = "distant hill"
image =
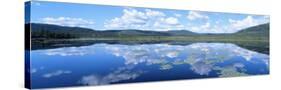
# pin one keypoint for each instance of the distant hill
(262, 29)
(181, 33)
(134, 32)
(56, 31)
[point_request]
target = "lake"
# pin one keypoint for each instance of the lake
(102, 64)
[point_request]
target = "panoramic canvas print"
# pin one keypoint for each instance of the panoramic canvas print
(68, 44)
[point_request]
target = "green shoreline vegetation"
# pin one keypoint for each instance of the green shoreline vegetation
(256, 37)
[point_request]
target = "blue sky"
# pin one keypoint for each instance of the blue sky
(104, 17)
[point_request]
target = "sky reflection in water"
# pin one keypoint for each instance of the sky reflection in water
(102, 64)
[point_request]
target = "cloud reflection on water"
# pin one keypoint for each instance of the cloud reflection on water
(201, 58)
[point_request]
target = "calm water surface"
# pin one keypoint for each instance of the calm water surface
(102, 64)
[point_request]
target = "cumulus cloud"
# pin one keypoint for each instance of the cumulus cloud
(171, 21)
(246, 22)
(193, 15)
(147, 19)
(198, 21)
(67, 21)
(151, 13)
(130, 18)
(206, 27)
(168, 23)
(231, 26)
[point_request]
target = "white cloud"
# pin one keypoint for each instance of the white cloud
(168, 23)
(111, 78)
(246, 22)
(152, 13)
(159, 21)
(232, 26)
(130, 18)
(69, 51)
(177, 15)
(171, 21)
(172, 54)
(147, 19)
(266, 18)
(122, 73)
(206, 27)
(202, 68)
(192, 15)
(67, 21)
(56, 73)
